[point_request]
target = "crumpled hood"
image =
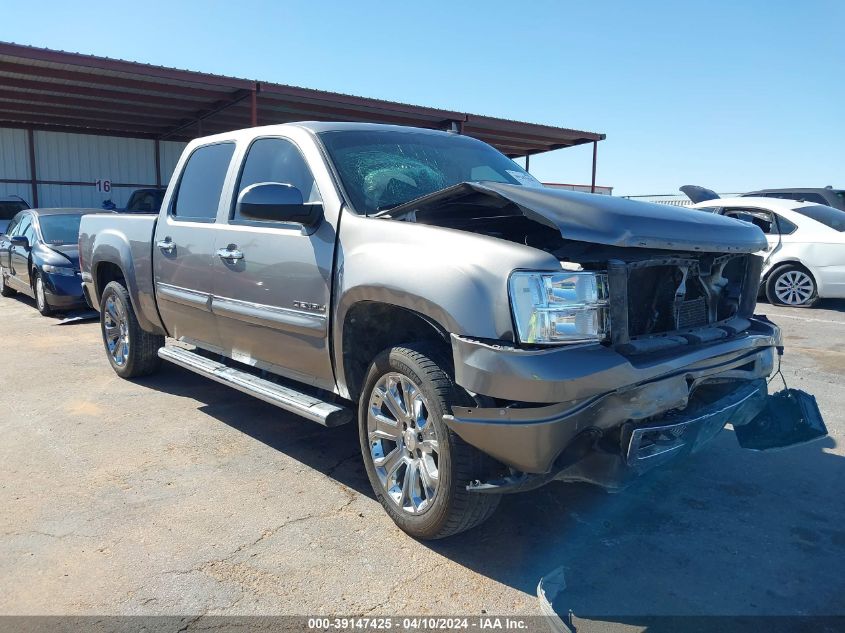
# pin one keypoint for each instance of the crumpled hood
(599, 219)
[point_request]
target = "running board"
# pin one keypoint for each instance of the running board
(309, 407)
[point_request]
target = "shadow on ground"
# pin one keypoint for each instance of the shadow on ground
(725, 532)
(60, 317)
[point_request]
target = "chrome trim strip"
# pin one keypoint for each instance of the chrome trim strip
(755, 389)
(269, 316)
(184, 296)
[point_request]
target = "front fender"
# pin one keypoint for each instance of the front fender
(456, 279)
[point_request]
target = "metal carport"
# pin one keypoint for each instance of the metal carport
(49, 90)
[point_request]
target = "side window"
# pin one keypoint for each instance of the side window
(24, 225)
(276, 160)
(201, 183)
(10, 230)
(762, 219)
(29, 233)
(786, 227)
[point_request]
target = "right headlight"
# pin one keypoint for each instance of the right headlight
(58, 270)
(555, 308)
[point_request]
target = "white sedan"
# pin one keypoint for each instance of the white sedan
(806, 256)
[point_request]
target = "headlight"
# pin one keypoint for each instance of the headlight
(59, 270)
(564, 307)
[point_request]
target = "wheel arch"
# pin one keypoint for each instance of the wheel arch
(370, 327)
(792, 263)
(115, 263)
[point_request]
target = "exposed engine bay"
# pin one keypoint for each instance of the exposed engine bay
(660, 298)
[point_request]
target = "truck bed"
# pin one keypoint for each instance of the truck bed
(110, 244)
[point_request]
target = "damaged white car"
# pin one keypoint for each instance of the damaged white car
(806, 257)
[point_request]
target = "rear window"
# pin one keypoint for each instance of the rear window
(145, 201)
(8, 210)
(830, 217)
(60, 229)
(202, 182)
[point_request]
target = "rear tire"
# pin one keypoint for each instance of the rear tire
(403, 437)
(5, 291)
(41, 295)
(132, 352)
(793, 286)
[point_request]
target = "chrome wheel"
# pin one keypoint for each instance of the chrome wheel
(403, 443)
(116, 330)
(40, 297)
(794, 287)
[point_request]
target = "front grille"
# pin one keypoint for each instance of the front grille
(675, 295)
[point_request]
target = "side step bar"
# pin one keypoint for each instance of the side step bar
(309, 407)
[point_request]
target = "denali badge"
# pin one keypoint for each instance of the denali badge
(304, 305)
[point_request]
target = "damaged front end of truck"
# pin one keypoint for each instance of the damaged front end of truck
(641, 348)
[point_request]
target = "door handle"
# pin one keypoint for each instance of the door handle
(230, 254)
(166, 245)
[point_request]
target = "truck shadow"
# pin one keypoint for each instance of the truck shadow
(333, 452)
(724, 532)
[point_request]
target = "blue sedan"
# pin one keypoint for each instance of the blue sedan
(39, 257)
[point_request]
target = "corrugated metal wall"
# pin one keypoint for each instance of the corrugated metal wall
(169, 153)
(69, 166)
(14, 159)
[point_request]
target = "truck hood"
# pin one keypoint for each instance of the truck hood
(591, 218)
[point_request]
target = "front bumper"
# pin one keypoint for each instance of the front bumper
(600, 392)
(63, 291)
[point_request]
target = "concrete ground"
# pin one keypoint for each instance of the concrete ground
(173, 495)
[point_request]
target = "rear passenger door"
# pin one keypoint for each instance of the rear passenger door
(762, 218)
(272, 279)
(183, 247)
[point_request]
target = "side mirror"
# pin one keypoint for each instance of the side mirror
(277, 202)
(20, 240)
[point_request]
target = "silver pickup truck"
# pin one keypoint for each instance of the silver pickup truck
(488, 334)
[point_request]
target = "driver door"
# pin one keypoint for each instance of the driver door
(272, 280)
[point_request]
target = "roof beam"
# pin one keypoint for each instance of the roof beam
(91, 104)
(215, 108)
(148, 70)
(317, 97)
(71, 129)
(102, 93)
(328, 113)
(108, 80)
(73, 121)
(119, 117)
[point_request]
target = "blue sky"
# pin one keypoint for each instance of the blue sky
(730, 95)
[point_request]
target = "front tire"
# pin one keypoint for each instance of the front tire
(41, 296)
(792, 286)
(417, 466)
(131, 351)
